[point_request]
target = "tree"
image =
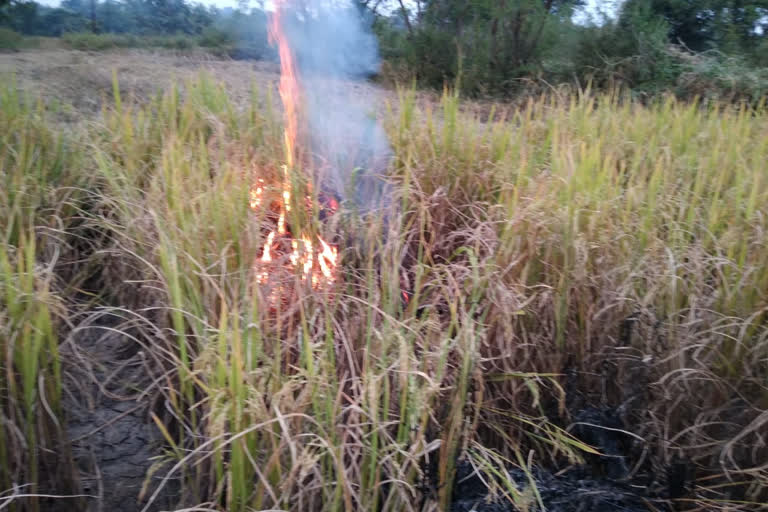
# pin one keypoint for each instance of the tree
(116, 16)
(485, 43)
(22, 16)
(77, 6)
(728, 25)
(3, 5)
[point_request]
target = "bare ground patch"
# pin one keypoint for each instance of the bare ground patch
(80, 82)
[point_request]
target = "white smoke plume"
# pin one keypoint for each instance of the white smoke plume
(335, 52)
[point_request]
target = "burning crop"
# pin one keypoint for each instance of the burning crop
(288, 250)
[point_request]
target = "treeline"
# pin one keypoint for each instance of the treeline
(129, 16)
(497, 46)
(92, 24)
(694, 47)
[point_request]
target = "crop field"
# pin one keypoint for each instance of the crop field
(518, 297)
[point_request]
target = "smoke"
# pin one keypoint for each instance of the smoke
(335, 51)
(333, 38)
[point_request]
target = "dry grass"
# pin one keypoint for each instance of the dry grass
(78, 82)
(579, 250)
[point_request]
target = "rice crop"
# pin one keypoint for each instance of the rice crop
(575, 249)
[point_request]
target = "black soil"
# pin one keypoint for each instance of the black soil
(113, 439)
(605, 483)
(575, 490)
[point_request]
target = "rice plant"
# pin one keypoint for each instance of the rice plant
(38, 205)
(577, 247)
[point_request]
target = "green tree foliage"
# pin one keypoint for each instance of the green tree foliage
(239, 33)
(490, 45)
(652, 51)
(727, 25)
(632, 50)
(140, 17)
(482, 44)
(22, 16)
(9, 40)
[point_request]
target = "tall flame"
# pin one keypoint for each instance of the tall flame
(289, 94)
(317, 261)
(289, 85)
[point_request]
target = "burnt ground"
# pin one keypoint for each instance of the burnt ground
(605, 483)
(114, 440)
(575, 490)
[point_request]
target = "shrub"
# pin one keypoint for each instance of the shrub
(215, 38)
(634, 51)
(175, 42)
(713, 75)
(9, 40)
(235, 42)
(95, 42)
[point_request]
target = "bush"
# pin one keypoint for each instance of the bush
(635, 52)
(174, 42)
(95, 42)
(215, 38)
(218, 42)
(9, 40)
(631, 51)
(236, 40)
(716, 76)
(761, 54)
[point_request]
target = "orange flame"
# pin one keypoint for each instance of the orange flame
(317, 261)
(256, 193)
(289, 85)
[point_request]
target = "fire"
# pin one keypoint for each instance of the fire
(315, 260)
(257, 191)
(289, 84)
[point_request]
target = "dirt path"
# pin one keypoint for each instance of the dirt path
(114, 440)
